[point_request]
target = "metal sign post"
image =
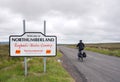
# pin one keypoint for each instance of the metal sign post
(25, 59)
(32, 44)
(44, 57)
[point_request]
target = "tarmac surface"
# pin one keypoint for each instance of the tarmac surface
(94, 68)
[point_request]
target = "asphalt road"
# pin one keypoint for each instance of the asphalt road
(96, 67)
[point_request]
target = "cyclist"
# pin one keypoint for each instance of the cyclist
(81, 46)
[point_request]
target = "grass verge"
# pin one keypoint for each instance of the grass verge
(105, 51)
(12, 69)
(112, 49)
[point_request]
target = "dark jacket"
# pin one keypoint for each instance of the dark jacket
(81, 46)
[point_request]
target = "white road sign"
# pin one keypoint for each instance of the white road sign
(33, 44)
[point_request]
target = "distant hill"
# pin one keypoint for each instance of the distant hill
(4, 43)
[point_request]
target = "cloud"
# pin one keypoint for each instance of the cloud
(35, 8)
(69, 20)
(9, 23)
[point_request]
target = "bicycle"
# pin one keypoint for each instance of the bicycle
(81, 55)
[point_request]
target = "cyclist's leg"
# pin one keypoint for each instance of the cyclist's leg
(80, 52)
(81, 56)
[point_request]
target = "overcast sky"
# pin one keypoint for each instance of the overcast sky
(70, 20)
